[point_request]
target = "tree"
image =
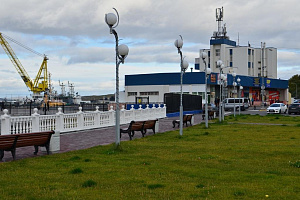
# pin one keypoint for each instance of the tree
(294, 83)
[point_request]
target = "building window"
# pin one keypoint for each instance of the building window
(249, 51)
(149, 93)
(132, 93)
(208, 53)
(217, 52)
(230, 51)
(249, 64)
(231, 64)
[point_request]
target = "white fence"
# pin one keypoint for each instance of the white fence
(74, 122)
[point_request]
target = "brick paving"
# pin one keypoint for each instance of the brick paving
(89, 138)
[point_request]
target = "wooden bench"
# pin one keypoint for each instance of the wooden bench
(211, 114)
(11, 142)
(186, 119)
(139, 126)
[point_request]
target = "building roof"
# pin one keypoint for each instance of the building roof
(190, 78)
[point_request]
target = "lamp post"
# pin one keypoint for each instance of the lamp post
(121, 52)
(223, 95)
(220, 66)
(241, 88)
(183, 66)
(234, 84)
(207, 73)
(238, 83)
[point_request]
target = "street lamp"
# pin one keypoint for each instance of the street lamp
(220, 65)
(241, 88)
(183, 66)
(223, 77)
(238, 82)
(121, 52)
(207, 73)
(234, 84)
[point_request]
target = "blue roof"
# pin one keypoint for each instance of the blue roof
(199, 78)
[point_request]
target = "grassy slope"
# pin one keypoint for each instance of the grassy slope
(226, 161)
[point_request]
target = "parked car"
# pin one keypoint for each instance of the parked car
(210, 106)
(294, 108)
(297, 101)
(277, 108)
(231, 103)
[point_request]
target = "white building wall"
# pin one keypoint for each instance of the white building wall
(240, 59)
(161, 89)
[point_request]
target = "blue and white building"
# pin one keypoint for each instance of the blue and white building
(255, 66)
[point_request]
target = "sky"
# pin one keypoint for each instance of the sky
(80, 48)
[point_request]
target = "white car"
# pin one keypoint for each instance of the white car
(277, 108)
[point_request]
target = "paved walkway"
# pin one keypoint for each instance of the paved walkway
(89, 138)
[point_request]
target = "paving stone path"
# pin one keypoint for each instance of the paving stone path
(85, 139)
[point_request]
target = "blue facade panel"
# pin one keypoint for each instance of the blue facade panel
(223, 41)
(199, 78)
(197, 66)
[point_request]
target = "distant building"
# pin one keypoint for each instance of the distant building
(256, 68)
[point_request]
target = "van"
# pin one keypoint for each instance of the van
(230, 103)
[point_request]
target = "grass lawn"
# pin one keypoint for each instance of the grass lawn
(225, 161)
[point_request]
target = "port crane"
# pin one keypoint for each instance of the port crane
(37, 85)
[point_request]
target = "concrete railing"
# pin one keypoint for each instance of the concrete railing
(76, 121)
(61, 122)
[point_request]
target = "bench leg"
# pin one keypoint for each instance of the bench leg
(36, 150)
(153, 130)
(1, 154)
(130, 134)
(174, 122)
(13, 153)
(47, 148)
(143, 132)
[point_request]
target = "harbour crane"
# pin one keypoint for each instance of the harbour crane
(37, 85)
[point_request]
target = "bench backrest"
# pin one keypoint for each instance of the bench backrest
(137, 126)
(149, 124)
(7, 141)
(30, 139)
(189, 117)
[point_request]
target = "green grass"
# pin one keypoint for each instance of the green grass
(269, 119)
(225, 161)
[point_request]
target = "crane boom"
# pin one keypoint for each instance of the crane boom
(35, 86)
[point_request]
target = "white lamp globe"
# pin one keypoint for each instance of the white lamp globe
(241, 87)
(234, 74)
(208, 71)
(222, 66)
(203, 55)
(110, 19)
(178, 43)
(123, 50)
(222, 76)
(238, 80)
(219, 63)
(185, 64)
(234, 84)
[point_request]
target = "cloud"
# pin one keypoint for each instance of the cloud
(80, 48)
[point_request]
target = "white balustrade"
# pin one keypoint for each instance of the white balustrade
(77, 121)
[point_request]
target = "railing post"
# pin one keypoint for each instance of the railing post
(97, 120)
(164, 111)
(5, 123)
(111, 116)
(35, 121)
(80, 119)
(122, 115)
(59, 120)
